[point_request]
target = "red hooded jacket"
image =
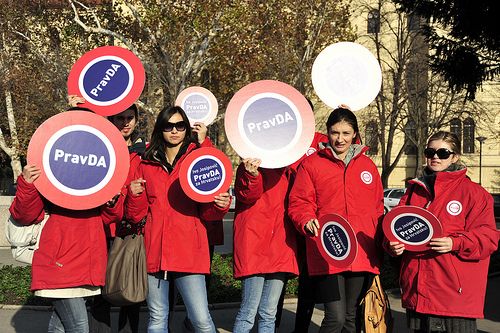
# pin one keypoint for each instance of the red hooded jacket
(174, 234)
(72, 249)
(324, 185)
(451, 284)
(264, 238)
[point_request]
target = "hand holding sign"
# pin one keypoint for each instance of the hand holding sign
(31, 173)
(414, 227)
(205, 174)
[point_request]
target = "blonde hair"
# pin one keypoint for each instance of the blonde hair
(450, 138)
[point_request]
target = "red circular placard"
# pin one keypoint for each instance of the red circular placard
(401, 211)
(185, 172)
(208, 116)
(271, 157)
(67, 121)
(139, 79)
(339, 221)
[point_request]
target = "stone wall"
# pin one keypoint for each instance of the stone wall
(5, 202)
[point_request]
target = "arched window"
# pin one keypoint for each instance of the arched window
(373, 21)
(468, 136)
(456, 127)
(410, 136)
(371, 137)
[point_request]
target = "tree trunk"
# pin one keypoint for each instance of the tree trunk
(13, 152)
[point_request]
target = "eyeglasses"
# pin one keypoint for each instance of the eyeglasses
(442, 153)
(180, 126)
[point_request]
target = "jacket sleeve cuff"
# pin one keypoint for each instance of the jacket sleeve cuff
(457, 243)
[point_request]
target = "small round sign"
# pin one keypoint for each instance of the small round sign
(337, 241)
(199, 104)
(346, 73)
(109, 78)
(413, 226)
(270, 120)
(205, 173)
(83, 157)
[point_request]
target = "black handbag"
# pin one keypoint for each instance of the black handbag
(126, 274)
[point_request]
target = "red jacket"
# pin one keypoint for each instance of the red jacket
(324, 185)
(72, 249)
(451, 284)
(314, 147)
(174, 235)
(264, 238)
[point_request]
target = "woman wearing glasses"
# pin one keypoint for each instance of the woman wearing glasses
(175, 236)
(443, 288)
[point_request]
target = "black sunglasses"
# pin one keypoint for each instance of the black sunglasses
(180, 126)
(442, 153)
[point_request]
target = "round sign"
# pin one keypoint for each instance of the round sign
(110, 78)
(205, 173)
(337, 241)
(83, 157)
(346, 73)
(199, 104)
(270, 120)
(413, 226)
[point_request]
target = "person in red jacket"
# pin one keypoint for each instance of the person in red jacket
(70, 262)
(175, 235)
(264, 243)
(443, 289)
(339, 179)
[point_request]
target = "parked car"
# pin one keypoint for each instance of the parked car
(392, 197)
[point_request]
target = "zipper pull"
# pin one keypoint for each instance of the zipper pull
(460, 290)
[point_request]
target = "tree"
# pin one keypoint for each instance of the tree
(411, 103)
(463, 36)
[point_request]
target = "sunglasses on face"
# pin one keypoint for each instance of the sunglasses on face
(180, 126)
(442, 153)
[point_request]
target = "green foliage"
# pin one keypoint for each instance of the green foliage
(15, 285)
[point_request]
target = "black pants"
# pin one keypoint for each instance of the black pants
(100, 317)
(343, 316)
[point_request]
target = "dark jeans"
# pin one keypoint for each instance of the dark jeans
(305, 304)
(343, 316)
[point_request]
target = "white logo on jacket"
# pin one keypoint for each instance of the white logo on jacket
(454, 207)
(310, 151)
(366, 177)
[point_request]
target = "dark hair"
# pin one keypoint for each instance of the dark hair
(450, 138)
(135, 134)
(346, 115)
(157, 141)
(79, 108)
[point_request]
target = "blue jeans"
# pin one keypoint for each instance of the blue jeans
(69, 316)
(260, 295)
(194, 294)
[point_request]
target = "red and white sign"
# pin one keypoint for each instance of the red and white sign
(413, 226)
(205, 173)
(109, 78)
(336, 241)
(83, 157)
(199, 104)
(346, 73)
(270, 120)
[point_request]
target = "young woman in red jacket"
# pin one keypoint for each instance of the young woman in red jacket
(175, 236)
(264, 243)
(443, 289)
(339, 179)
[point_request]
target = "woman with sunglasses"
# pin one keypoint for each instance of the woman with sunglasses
(175, 236)
(443, 288)
(339, 179)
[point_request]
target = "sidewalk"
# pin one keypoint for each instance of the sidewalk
(23, 319)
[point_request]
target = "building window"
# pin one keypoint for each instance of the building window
(371, 137)
(373, 21)
(413, 22)
(456, 127)
(410, 133)
(468, 136)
